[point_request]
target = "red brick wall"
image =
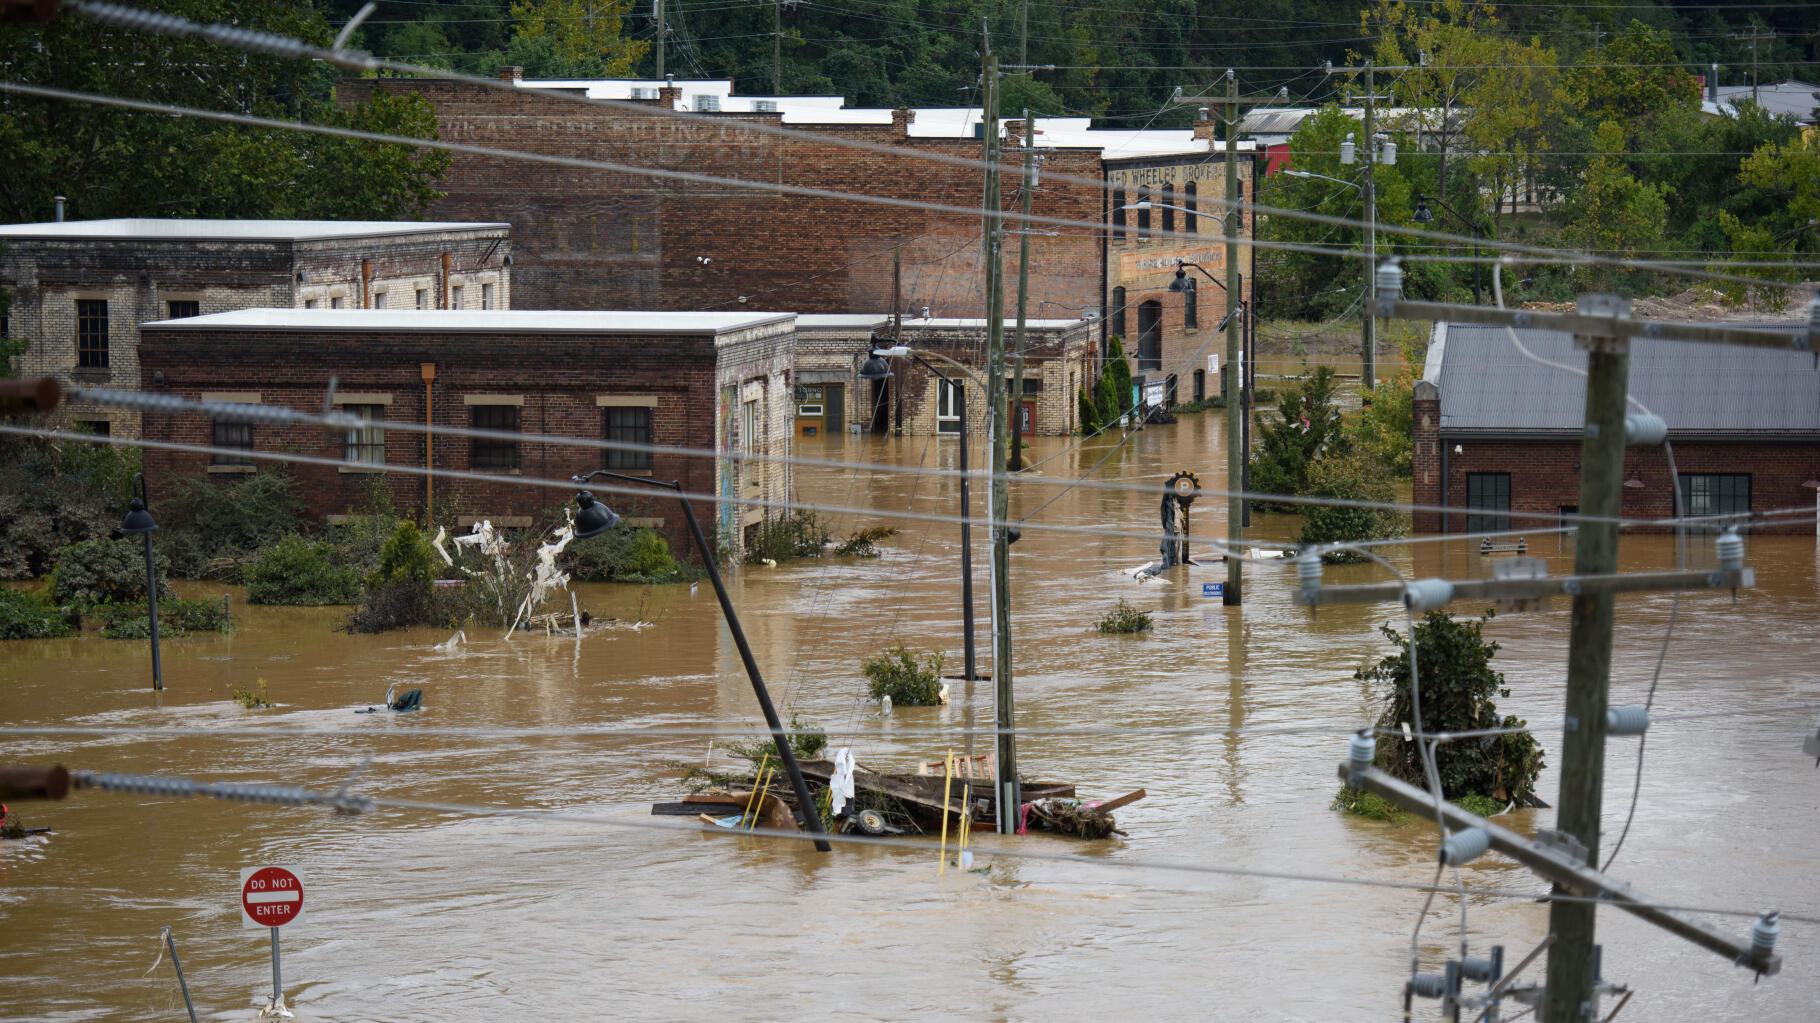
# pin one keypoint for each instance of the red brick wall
(558, 375)
(589, 239)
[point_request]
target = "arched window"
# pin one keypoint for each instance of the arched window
(1144, 214)
(1118, 312)
(1190, 222)
(1168, 208)
(1150, 336)
(1118, 214)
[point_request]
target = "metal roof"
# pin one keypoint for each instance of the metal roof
(238, 230)
(496, 321)
(1793, 97)
(1487, 386)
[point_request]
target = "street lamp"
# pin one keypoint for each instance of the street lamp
(876, 368)
(593, 518)
(139, 520)
(1424, 215)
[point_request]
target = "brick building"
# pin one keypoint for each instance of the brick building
(1059, 355)
(605, 239)
(709, 381)
(81, 288)
(1496, 433)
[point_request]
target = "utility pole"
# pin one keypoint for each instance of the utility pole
(777, 47)
(1368, 327)
(1755, 35)
(1023, 37)
(662, 33)
(994, 225)
(1235, 412)
(1023, 292)
(1570, 959)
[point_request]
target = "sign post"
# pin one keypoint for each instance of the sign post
(270, 898)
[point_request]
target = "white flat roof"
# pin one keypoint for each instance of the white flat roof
(840, 321)
(964, 323)
(204, 230)
(496, 321)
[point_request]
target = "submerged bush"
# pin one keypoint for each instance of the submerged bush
(400, 592)
(298, 573)
(864, 542)
(624, 554)
(1348, 478)
(799, 534)
(24, 616)
(53, 495)
(104, 571)
(1124, 619)
(895, 673)
(175, 618)
(214, 530)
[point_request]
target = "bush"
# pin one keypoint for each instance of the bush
(104, 571)
(24, 616)
(1125, 618)
(895, 673)
(1118, 370)
(1368, 805)
(799, 534)
(407, 559)
(864, 542)
(624, 554)
(806, 743)
(1350, 478)
(1308, 429)
(1201, 405)
(56, 495)
(1458, 685)
(252, 697)
(176, 618)
(1089, 412)
(212, 530)
(401, 592)
(300, 574)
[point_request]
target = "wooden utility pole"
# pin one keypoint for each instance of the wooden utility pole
(1023, 38)
(1570, 959)
(661, 34)
(1752, 38)
(1235, 406)
(1368, 326)
(994, 225)
(777, 47)
(1023, 294)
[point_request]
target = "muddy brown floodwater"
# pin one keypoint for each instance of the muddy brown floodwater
(417, 916)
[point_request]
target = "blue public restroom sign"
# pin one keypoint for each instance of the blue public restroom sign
(1213, 590)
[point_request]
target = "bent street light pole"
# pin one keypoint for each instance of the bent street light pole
(812, 821)
(1235, 413)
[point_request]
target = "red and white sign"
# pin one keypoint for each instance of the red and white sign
(269, 897)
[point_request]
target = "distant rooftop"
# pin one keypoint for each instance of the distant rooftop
(1488, 387)
(979, 323)
(205, 230)
(493, 321)
(1788, 97)
(841, 321)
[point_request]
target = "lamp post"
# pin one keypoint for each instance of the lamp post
(593, 518)
(1424, 215)
(139, 520)
(876, 368)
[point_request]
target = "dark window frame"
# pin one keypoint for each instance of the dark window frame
(182, 308)
(1149, 350)
(628, 424)
(1191, 202)
(91, 333)
(489, 452)
(1118, 312)
(1143, 224)
(1191, 307)
(1715, 493)
(1166, 204)
(1489, 492)
(1118, 214)
(233, 435)
(365, 445)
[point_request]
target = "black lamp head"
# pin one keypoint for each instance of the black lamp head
(138, 520)
(1423, 214)
(1181, 282)
(591, 517)
(874, 368)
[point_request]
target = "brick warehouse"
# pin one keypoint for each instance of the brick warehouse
(711, 381)
(1496, 433)
(81, 288)
(599, 239)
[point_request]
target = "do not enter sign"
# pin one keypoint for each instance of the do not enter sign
(269, 897)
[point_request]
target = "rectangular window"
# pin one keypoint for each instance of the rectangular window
(91, 332)
(182, 310)
(309, 303)
(1118, 214)
(486, 296)
(1191, 308)
(1168, 207)
(1715, 494)
(1118, 312)
(948, 402)
(1190, 220)
(1487, 492)
(96, 427)
(491, 453)
(235, 436)
(423, 298)
(379, 300)
(1033, 385)
(748, 442)
(334, 303)
(628, 425)
(1144, 214)
(366, 444)
(455, 297)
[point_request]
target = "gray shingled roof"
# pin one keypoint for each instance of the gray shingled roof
(1487, 386)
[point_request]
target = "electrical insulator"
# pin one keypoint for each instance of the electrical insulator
(1428, 985)
(1388, 154)
(1484, 971)
(1464, 846)
(1360, 750)
(1389, 279)
(1644, 429)
(1632, 720)
(1349, 151)
(1427, 594)
(1763, 934)
(1731, 550)
(1308, 572)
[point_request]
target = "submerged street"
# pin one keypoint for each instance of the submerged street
(449, 917)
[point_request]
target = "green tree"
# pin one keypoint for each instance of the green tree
(1785, 174)
(1615, 214)
(116, 163)
(588, 36)
(1350, 478)
(1308, 428)
(1118, 371)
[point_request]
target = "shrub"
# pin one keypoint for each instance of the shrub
(212, 530)
(624, 554)
(407, 559)
(1106, 396)
(1125, 618)
(806, 743)
(1089, 412)
(1118, 370)
(24, 616)
(104, 571)
(864, 542)
(53, 495)
(252, 697)
(1201, 405)
(1458, 685)
(799, 534)
(175, 618)
(1307, 430)
(400, 592)
(1368, 805)
(1351, 478)
(384, 608)
(301, 574)
(895, 673)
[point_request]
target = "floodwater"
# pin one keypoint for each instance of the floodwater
(426, 916)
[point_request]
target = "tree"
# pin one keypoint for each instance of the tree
(1307, 429)
(1615, 214)
(1353, 477)
(1115, 382)
(1785, 172)
(115, 163)
(586, 35)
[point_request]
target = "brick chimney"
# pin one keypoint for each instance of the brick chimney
(901, 119)
(511, 73)
(1426, 438)
(1203, 125)
(669, 94)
